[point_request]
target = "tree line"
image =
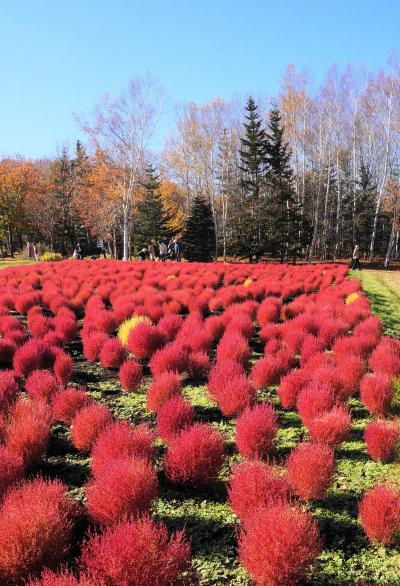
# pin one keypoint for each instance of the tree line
(308, 174)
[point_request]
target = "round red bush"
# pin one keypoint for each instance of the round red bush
(87, 424)
(137, 553)
(41, 384)
(163, 387)
(377, 393)
(380, 514)
(278, 544)
(382, 439)
(11, 469)
(121, 440)
(63, 367)
(36, 522)
(233, 346)
(332, 427)
(9, 389)
(33, 355)
(290, 387)
(65, 578)
(130, 376)
(256, 430)
(310, 469)
(174, 415)
(232, 392)
(92, 345)
(195, 456)
(171, 358)
(144, 340)
(313, 401)
(112, 353)
(254, 485)
(66, 404)
(125, 487)
(198, 364)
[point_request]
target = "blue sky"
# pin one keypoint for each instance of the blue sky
(57, 58)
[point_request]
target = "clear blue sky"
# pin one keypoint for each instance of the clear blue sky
(57, 58)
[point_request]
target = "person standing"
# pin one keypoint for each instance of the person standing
(176, 249)
(143, 253)
(356, 258)
(163, 250)
(30, 249)
(152, 251)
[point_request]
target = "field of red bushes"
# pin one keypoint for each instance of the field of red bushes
(242, 389)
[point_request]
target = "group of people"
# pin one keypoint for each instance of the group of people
(171, 250)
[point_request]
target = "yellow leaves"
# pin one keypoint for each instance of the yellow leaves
(247, 282)
(351, 298)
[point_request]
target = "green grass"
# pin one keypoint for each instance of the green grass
(384, 297)
(14, 263)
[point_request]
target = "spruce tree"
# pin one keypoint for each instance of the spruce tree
(153, 219)
(198, 241)
(249, 236)
(284, 238)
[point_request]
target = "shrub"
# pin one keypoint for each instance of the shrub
(377, 393)
(123, 488)
(137, 553)
(36, 522)
(332, 427)
(63, 367)
(64, 578)
(66, 325)
(50, 257)
(9, 389)
(92, 345)
(66, 404)
(172, 357)
(278, 544)
(269, 311)
(233, 392)
(41, 384)
(198, 364)
(112, 353)
(313, 401)
(34, 355)
(350, 370)
(11, 469)
(130, 375)
(87, 424)
(256, 430)
(268, 371)
(128, 326)
(144, 340)
(254, 485)
(195, 456)
(163, 387)
(290, 387)
(169, 326)
(121, 440)
(310, 346)
(310, 468)
(28, 430)
(382, 439)
(386, 357)
(380, 514)
(233, 346)
(174, 415)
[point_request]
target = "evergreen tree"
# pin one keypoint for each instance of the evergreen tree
(285, 212)
(198, 241)
(248, 238)
(153, 218)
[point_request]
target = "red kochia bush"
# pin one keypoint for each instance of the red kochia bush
(41, 384)
(112, 353)
(380, 514)
(313, 401)
(382, 439)
(256, 430)
(66, 403)
(163, 387)
(310, 468)
(350, 370)
(11, 469)
(230, 388)
(386, 357)
(63, 367)
(377, 393)
(174, 415)
(64, 578)
(290, 387)
(169, 326)
(92, 345)
(278, 544)
(269, 311)
(36, 522)
(130, 375)
(9, 389)
(254, 485)
(121, 440)
(233, 346)
(28, 430)
(33, 355)
(172, 357)
(123, 488)
(137, 553)
(195, 456)
(198, 364)
(87, 424)
(268, 370)
(332, 427)
(144, 340)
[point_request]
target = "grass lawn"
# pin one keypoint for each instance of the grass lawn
(347, 558)
(14, 263)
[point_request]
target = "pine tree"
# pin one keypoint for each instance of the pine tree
(198, 241)
(153, 218)
(285, 235)
(248, 238)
